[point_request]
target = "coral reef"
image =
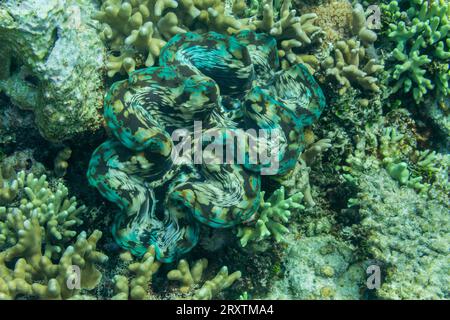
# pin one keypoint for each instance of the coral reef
(291, 32)
(138, 30)
(143, 112)
(207, 138)
(35, 275)
(347, 69)
(190, 278)
(57, 214)
(390, 145)
(52, 64)
(333, 17)
(138, 288)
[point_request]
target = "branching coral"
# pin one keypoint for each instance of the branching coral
(348, 69)
(291, 31)
(35, 275)
(419, 30)
(360, 26)
(36, 230)
(138, 284)
(191, 278)
(138, 288)
(352, 65)
(56, 213)
(138, 29)
(271, 217)
(52, 59)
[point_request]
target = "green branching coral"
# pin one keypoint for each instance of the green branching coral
(36, 229)
(35, 275)
(137, 285)
(57, 214)
(271, 217)
(419, 30)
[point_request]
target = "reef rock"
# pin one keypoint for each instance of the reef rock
(53, 58)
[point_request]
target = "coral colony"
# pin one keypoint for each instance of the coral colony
(224, 149)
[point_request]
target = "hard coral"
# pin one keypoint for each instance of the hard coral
(138, 29)
(347, 70)
(136, 284)
(271, 217)
(352, 65)
(37, 258)
(420, 32)
(409, 235)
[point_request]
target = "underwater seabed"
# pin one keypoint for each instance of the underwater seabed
(333, 116)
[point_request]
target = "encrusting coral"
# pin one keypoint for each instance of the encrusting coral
(392, 147)
(37, 257)
(406, 233)
(52, 64)
(319, 267)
